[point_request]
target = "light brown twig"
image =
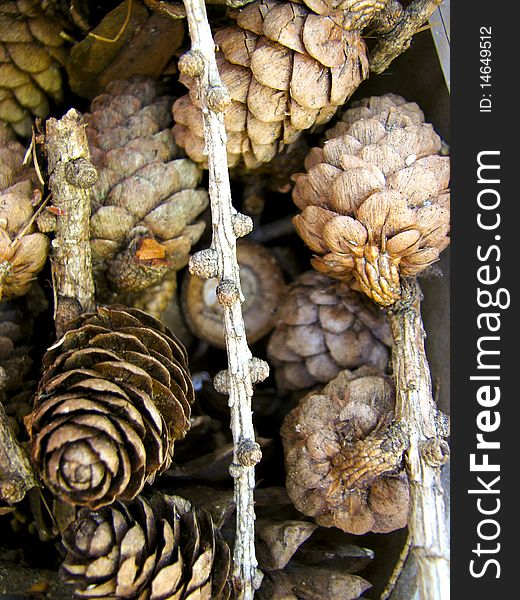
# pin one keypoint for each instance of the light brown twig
(220, 261)
(427, 429)
(71, 175)
(400, 26)
(16, 474)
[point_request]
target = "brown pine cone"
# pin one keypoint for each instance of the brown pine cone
(343, 455)
(262, 286)
(115, 396)
(322, 327)
(31, 52)
(15, 361)
(287, 66)
(147, 549)
(144, 202)
(375, 199)
(22, 251)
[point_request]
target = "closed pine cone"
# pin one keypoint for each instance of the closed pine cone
(343, 455)
(15, 361)
(115, 395)
(147, 549)
(287, 66)
(375, 199)
(324, 326)
(144, 202)
(31, 52)
(23, 251)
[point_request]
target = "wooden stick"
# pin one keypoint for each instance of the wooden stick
(403, 25)
(427, 429)
(71, 174)
(220, 261)
(16, 474)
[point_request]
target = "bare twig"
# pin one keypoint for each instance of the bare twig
(16, 474)
(71, 175)
(399, 27)
(220, 261)
(427, 429)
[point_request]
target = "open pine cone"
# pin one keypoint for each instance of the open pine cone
(375, 199)
(323, 326)
(287, 66)
(23, 251)
(343, 455)
(262, 286)
(144, 201)
(115, 395)
(147, 549)
(31, 52)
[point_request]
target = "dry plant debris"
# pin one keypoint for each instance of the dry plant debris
(116, 437)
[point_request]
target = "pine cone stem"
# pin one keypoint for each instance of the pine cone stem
(71, 176)
(16, 473)
(427, 451)
(221, 261)
(396, 41)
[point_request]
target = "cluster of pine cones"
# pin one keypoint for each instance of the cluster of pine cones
(128, 439)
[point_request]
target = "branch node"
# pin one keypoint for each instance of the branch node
(81, 173)
(218, 98)
(259, 370)
(249, 453)
(204, 264)
(242, 225)
(435, 451)
(221, 382)
(191, 63)
(235, 470)
(227, 292)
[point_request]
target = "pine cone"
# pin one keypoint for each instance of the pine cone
(144, 202)
(262, 286)
(148, 549)
(343, 455)
(287, 66)
(375, 199)
(323, 326)
(115, 396)
(31, 52)
(22, 251)
(14, 351)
